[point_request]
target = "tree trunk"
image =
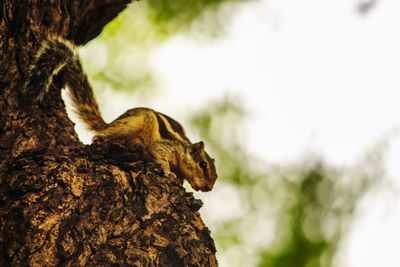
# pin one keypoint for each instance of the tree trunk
(64, 203)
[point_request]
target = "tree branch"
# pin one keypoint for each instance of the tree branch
(64, 203)
(92, 16)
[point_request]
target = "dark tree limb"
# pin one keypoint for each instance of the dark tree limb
(92, 16)
(64, 203)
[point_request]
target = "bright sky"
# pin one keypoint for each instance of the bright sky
(316, 77)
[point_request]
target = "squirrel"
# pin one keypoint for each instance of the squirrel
(161, 136)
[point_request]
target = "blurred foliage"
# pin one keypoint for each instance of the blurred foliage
(125, 44)
(288, 215)
(224, 140)
(169, 17)
(310, 206)
(318, 214)
(364, 7)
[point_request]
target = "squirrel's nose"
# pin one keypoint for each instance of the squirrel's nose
(207, 187)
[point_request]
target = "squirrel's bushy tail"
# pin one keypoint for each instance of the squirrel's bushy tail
(55, 56)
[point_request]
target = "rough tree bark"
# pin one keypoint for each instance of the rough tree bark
(64, 203)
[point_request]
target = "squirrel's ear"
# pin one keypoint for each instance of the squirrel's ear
(197, 147)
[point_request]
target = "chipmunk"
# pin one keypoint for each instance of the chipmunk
(161, 136)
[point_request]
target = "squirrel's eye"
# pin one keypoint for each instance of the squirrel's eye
(203, 165)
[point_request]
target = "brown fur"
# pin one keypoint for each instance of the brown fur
(163, 137)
